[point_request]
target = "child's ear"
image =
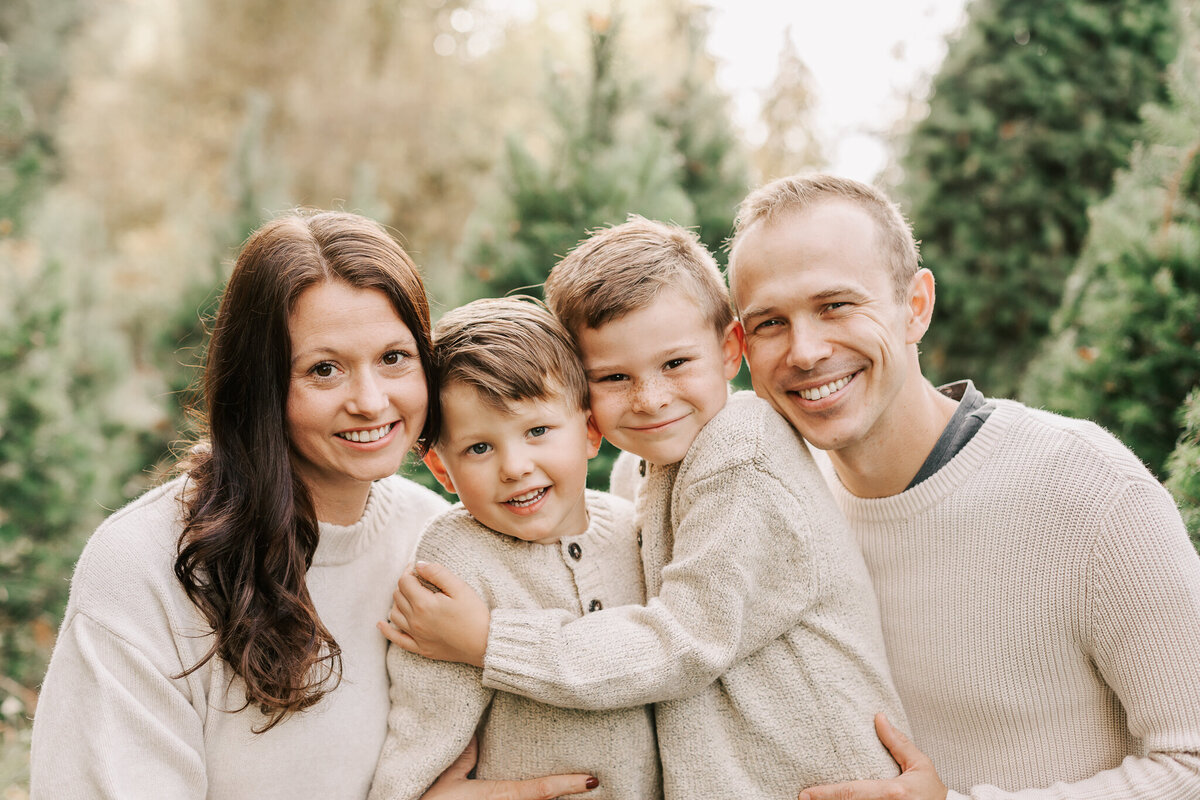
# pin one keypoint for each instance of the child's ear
(593, 436)
(731, 349)
(435, 465)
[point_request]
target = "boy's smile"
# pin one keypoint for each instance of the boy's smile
(657, 375)
(520, 471)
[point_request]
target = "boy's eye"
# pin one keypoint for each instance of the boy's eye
(614, 378)
(479, 448)
(675, 362)
(538, 430)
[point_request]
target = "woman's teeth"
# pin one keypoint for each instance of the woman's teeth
(367, 436)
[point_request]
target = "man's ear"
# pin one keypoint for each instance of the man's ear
(920, 305)
(732, 346)
(593, 436)
(435, 465)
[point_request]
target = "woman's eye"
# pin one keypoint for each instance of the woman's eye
(323, 370)
(479, 448)
(538, 430)
(392, 358)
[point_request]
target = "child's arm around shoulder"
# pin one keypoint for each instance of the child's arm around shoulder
(739, 578)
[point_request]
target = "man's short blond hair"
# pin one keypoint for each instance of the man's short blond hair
(621, 269)
(507, 349)
(801, 192)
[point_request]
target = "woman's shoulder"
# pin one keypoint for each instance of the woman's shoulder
(408, 501)
(125, 579)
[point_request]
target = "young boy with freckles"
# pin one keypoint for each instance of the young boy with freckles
(514, 442)
(760, 640)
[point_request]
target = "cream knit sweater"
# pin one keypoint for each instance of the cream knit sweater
(112, 722)
(436, 706)
(1041, 607)
(760, 643)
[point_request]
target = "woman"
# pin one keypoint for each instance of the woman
(219, 640)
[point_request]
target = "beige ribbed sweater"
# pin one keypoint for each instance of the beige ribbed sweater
(760, 642)
(111, 720)
(436, 706)
(1041, 606)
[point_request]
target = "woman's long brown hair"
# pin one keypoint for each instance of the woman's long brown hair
(251, 530)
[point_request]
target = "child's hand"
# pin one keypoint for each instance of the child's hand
(436, 615)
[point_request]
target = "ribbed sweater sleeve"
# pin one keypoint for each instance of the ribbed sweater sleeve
(737, 580)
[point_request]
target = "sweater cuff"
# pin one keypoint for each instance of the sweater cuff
(514, 638)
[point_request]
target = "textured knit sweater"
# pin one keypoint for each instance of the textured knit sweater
(113, 721)
(760, 642)
(1041, 607)
(436, 706)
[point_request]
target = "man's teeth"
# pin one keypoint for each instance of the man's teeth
(826, 390)
(367, 436)
(529, 498)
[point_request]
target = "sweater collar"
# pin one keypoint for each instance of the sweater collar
(340, 544)
(933, 489)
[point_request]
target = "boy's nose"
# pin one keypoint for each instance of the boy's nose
(515, 464)
(650, 395)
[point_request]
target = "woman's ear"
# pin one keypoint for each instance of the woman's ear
(435, 465)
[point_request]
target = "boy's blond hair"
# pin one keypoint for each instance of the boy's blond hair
(802, 192)
(623, 268)
(507, 349)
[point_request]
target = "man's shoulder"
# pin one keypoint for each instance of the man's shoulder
(1068, 442)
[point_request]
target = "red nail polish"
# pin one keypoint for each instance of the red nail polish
(592, 783)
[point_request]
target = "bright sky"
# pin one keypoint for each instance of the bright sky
(866, 56)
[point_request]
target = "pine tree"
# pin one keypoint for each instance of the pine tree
(1034, 108)
(791, 144)
(1125, 347)
(1184, 466)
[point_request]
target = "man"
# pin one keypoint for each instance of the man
(1040, 599)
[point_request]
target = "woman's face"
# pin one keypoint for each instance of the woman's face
(356, 397)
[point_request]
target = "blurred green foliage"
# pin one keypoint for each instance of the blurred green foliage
(1184, 466)
(1125, 344)
(1033, 109)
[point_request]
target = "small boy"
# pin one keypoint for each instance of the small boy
(761, 640)
(514, 442)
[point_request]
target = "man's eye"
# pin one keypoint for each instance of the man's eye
(538, 430)
(767, 324)
(479, 448)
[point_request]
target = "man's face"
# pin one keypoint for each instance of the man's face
(827, 343)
